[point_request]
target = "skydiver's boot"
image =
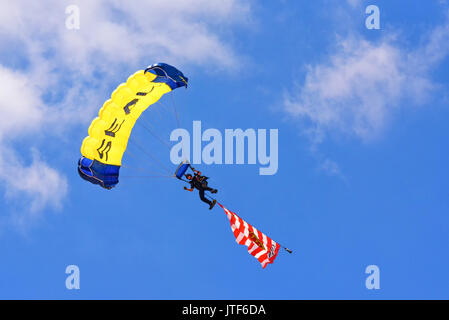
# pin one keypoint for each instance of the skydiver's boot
(212, 204)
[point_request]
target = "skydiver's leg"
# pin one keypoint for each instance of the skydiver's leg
(207, 188)
(203, 198)
(212, 190)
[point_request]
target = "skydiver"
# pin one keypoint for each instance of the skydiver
(200, 182)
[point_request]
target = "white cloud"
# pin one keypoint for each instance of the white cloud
(50, 76)
(354, 3)
(37, 184)
(357, 90)
(330, 167)
(21, 107)
(117, 31)
(353, 92)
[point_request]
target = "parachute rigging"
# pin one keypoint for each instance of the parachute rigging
(108, 136)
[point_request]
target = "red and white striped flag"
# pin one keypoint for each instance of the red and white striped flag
(259, 245)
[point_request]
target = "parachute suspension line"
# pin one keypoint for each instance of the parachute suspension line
(165, 107)
(144, 170)
(141, 169)
(131, 154)
(157, 111)
(150, 156)
(148, 176)
(146, 127)
(139, 145)
(129, 178)
(178, 122)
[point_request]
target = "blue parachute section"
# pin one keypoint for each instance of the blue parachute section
(168, 74)
(182, 170)
(96, 172)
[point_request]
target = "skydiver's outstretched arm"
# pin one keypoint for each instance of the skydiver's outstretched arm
(191, 189)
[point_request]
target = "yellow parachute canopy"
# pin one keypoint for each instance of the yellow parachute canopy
(103, 148)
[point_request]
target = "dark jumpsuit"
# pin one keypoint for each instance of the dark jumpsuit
(202, 186)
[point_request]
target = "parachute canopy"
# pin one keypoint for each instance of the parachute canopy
(102, 150)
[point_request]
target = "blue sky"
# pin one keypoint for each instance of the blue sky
(362, 179)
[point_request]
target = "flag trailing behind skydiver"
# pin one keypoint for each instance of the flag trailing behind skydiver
(102, 150)
(260, 246)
